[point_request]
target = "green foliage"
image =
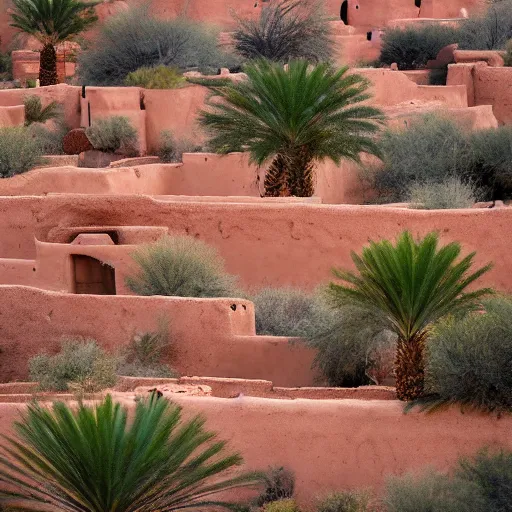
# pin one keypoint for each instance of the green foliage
(35, 113)
(113, 134)
(297, 116)
(52, 21)
(81, 365)
(171, 150)
(490, 31)
(508, 54)
(143, 357)
(5, 66)
(209, 82)
(285, 30)
(346, 501)
(49, 140)
(412, 47)
(136, 38)
(279, 484)
(469, 360)
(18, 151)
(281, 506)
(180, 266)
(159, 77)
(91, 459)
(449, 194)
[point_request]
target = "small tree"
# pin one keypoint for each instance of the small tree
(295, 116)
(52, 22)
(413, 284)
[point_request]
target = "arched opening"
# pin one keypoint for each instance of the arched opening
(92, 276)
(344, 12)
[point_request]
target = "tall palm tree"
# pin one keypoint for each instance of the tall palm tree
(412, 284)
(296, 115)
(90, 460)
(52, 22)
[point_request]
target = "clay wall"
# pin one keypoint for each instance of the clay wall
(213, 337)
(12, 116)
(264, 244)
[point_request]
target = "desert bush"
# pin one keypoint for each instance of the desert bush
(49, 140)
(209, 82)
(285, 30)
(5, 66)
(489, 31)
(171, 150)
(431, 492)
(469, 360)
(35, 113)
(81, 365)
(143, 356)
(135, 39)
(508, 54)
(449, 194)
(286, 505)
(19, 152)
(180, 266)
(346, 501)
(430, 150)
(279, 484)
(412, 47)
(113, 134)
(159, 77)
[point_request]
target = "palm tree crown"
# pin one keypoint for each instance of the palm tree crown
(413, 284)
(90, 460)
(296, 115)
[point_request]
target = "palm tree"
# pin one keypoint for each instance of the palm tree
(296, 115)
(90, 460)
(412, 284)
(52, 22)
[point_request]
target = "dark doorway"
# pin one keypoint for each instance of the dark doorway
(92, 276)
(368, 36)
(344, 12)
(417, 3)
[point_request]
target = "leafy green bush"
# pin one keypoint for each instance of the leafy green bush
(144, 355)
(171, 150)
(135, 38)
(449, 194)
(281, 506)
(180, 266)
(469, 360)
(412, 47)
(113, 134)
(5, 66)
(159, 77)
(285, 30)
(19, 152)
(508, 54)
(345, 501)
(81, 365)
(35, 113)
(279, 484)
(489, 31)
(49, 140)
(209, 82)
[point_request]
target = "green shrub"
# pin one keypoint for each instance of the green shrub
(449, 194)
(508, 54)
(209, 82)
(5, 66)
(143, 355)
(279, 484)
(35, 113)
(135, 39)
(113, 134)
(281, 506)
(412, 47)
(49, 140)
(171, 150)
(180, 266)
(81, 365)
(285, 30)
(469, 360)
(18, 151)
(431, 492)
(346, 501)
(159, 77)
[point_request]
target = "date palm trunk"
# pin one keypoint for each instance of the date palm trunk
(291, 174)
(48, 65)
(410, 367)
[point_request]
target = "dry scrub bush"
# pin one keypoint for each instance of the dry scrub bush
(448, 194)
(113, 134)
(19, 152)
(279, 484)
(286, 505)
(508, 54)
(159, 77)
(346, 501)
(180, 266)
(81, 366)
(171, 149)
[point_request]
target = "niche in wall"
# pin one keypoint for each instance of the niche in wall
(92, 276)
(344, 12)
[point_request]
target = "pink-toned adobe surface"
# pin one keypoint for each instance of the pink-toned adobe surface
(12, 116)
(333, 445)
(209, 336)
(265, 244)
